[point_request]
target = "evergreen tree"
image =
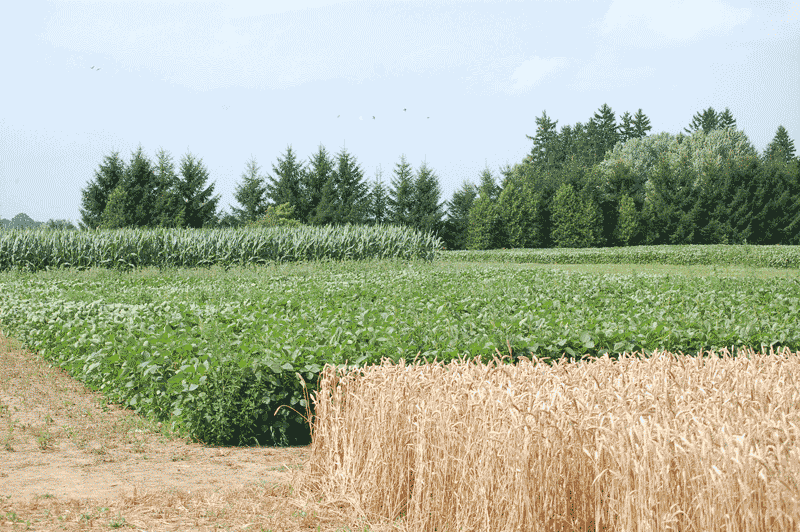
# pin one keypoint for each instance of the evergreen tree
(314, 181)
(328, 208)
(641, 124)
(485, 224)
(488, 186)
(726, 120)
(627, 221)
(781, 148)
(379, 201)
(96, 195)
(456, 226)
(607, 135)
(520, 211)
(199, 207)
(115, 215)
(791, 231)
(251, 194)
(573, 144)
(353, 191)
(141, 186)
(772, 198)
(401, 194)
(613, 180)
(169, 210)
(709, 120)
(669, 203)
(591, 144)
(287, 186)
(591, 220)
(566, 211)
(544, 148)
(426, 208)
(626, 130)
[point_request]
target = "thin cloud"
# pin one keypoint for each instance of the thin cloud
(657, 23)
(535, 70)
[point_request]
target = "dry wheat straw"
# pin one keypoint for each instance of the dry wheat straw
(668, 442)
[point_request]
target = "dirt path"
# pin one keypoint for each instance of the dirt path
(68, 461)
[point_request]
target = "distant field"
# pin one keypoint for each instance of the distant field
(153, 340)
(719, 255)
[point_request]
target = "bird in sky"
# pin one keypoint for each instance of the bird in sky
(428, 117)
(337, 116)
(92, 67)
(373, 118)
(403, 109)
(98, 68)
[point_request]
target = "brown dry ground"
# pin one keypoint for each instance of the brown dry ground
(70, 461)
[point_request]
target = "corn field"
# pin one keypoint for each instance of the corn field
(125, 249)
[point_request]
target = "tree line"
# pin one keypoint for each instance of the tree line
(605, 184)
(594, 184)
(325, 191)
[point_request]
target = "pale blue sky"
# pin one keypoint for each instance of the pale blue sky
(228, 81)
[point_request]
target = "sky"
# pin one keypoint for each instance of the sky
(456, 84)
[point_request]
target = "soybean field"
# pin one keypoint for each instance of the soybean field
(215, 350)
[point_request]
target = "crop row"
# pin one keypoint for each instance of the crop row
(753, 256)
(35, 250)
(220, 349)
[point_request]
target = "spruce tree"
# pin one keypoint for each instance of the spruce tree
(626, 130)
(545, 142)
(427, 209)
(251, 194)
(314, 180)
(96, 195)
(485, 221)
(771, 202)
(641, 124)
(708, 121)
(141, 185)
(169, 210)
(328, 208)
(199, 206)
(456, 225)
(627, 221)
(379, 200)
(781, 148)
(115, 215)
(353, 191)
(401, 193)
(485, 224)
(488, 186)
(286, 187)
(669, 203)
(565, 213)
(607, 135)
(520, 209)
(726, 120)
(591, 144)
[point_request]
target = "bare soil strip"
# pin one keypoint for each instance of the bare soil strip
(69, 461)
